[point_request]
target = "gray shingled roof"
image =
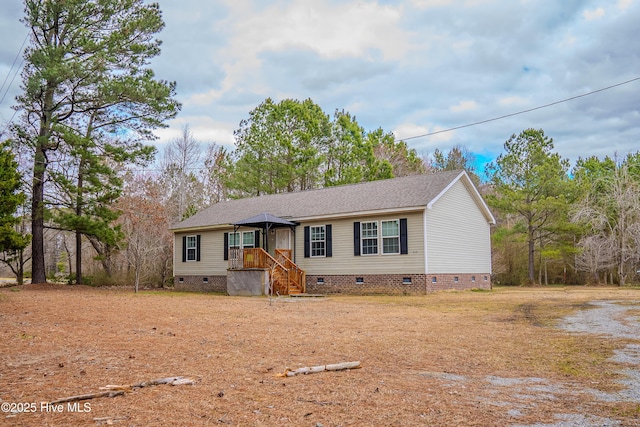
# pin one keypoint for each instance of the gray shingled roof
(405, 192)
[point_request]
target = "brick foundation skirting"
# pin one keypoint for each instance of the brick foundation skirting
(201, 283)
(364, 284)
(460, 282)
(397, 284)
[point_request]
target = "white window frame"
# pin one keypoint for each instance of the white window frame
(253, 239)
(396, 236)
(234, 240)
(369, 238)
(320, 248)
(238, 241)
(192, 248)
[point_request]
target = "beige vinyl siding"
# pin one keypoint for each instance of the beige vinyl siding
(458, 234)
(344, 261)
(211, 255)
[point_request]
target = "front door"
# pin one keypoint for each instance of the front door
(283, 238)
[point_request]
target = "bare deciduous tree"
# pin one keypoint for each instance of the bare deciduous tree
(145, 224)
(179, 166)
(613, 214)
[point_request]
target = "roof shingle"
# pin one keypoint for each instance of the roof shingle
(404, 192)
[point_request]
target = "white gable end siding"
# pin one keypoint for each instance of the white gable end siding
(458, 234)
(344, 262)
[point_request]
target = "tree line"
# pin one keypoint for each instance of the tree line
(560, 224)
(75, 197)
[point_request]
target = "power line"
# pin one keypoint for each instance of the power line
(21, 50)
(10, 69)
(8, 123)
(521, 112)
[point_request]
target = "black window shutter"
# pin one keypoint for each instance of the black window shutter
(226, 246)
(257, 238)
(356, 238)
(198, 247)
(184, 248)
(307, 244)
(404, 248)
(328, 240)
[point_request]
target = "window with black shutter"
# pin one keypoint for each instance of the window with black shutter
(191, 248)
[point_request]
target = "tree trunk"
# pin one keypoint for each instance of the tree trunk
(78, 232)
(20, 273)
(78, 258)
(137, 278)
(623, 248)
(38, 274)
(532, 277)
(546, 274)
(104, 254)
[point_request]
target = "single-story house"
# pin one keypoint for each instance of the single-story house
(408, 235)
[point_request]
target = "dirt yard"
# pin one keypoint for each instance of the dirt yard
(509, 357)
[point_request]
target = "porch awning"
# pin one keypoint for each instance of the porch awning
(264, 220)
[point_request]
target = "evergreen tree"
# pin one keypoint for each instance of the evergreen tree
(458, 158)
(86, 78)
(281, 147)
(531, 182)
(292, 146)
(11, 197)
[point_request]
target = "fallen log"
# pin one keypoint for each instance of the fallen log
(109, 420)
(88, 396)
(321, 368)
(118, 390)
(159, 381)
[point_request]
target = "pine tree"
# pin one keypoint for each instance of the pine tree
(85, 85)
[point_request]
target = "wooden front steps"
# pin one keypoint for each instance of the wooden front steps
(285, 277)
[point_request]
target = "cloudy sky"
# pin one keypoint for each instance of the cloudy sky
(412, 67)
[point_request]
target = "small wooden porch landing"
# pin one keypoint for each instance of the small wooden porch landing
(285, 277)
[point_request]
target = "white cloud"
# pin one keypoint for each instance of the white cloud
(625, 4)
(416, 66)
(427, 4)
(593, 14)
(355, 29)
(463, 106)
(408, 130)
(204, 98)
(203, 128)
(350, 30)
(510, 101)
(568, 42)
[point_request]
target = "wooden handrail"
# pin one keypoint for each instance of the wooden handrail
(259, 258)
(236, 259)
(283, 271)
(299, 276)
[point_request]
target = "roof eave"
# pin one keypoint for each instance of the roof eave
(340, 215)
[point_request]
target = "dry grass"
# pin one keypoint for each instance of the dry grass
(464, 358)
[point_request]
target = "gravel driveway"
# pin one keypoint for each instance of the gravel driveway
(613, 319)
